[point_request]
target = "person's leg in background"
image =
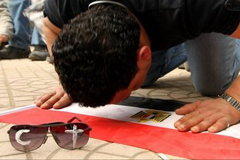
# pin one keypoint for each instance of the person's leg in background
(19, 45)
(164, 62)
(214, 62)
(40, 52)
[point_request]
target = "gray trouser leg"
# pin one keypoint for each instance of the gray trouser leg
(214, 61)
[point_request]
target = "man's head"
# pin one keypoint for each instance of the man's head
(96, 55)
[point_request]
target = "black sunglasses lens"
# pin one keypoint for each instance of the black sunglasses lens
(27, 138)
(71, 136)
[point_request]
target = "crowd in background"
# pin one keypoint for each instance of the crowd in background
(19, 37)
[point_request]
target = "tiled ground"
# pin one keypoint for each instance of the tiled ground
(21, 81)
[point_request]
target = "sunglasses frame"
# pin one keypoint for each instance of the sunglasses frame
(48, 127)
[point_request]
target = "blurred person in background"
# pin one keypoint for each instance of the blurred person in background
(6, 24)
(19, 45)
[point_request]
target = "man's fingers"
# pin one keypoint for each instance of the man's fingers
(52, 99)
(206, 123)
(186, 123)
(220, 124)
(212, 122)
(187, 108)
(41, 100)
(64, 101)
(58, 98)
(190, 120)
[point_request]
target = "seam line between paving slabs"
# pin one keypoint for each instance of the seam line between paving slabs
(9, 91)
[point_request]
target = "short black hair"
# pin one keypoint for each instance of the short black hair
(95, 54)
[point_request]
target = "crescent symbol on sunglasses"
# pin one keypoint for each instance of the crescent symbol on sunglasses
(19, 134)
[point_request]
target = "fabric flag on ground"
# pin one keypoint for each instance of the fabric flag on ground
(140, 127)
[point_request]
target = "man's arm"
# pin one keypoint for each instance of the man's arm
(213, 115)
(57, 98)
(50, 31)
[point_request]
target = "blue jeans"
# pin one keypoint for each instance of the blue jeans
(165, 61)
(22, 30)
(214, 62)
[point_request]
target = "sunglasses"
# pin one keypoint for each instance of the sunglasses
(71, 135)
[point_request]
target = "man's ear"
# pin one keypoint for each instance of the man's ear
(144, 54)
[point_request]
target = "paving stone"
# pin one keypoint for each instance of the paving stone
(146, 155)
(3, 95)
(66, 154)
(8, 151)
(4, 108)
(3, 134)
(94, 144)
(25, 98)
(17, 93)
(24, 103)
(179, 94)
(119, 149)
(4, 101)
(160, 97)
(102, 156)
(18, 156)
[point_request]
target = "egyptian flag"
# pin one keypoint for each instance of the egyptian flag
(139, 122)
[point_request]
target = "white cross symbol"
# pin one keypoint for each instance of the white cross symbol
(75, 133)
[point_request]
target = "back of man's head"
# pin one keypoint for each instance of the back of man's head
(95, 54)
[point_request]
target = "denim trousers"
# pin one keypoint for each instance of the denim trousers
(214, 62)
(23, 35)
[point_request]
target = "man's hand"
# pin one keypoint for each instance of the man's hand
(3, 38)
(212, 115)
(58, 98)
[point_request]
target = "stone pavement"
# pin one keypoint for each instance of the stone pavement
(22, 81)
